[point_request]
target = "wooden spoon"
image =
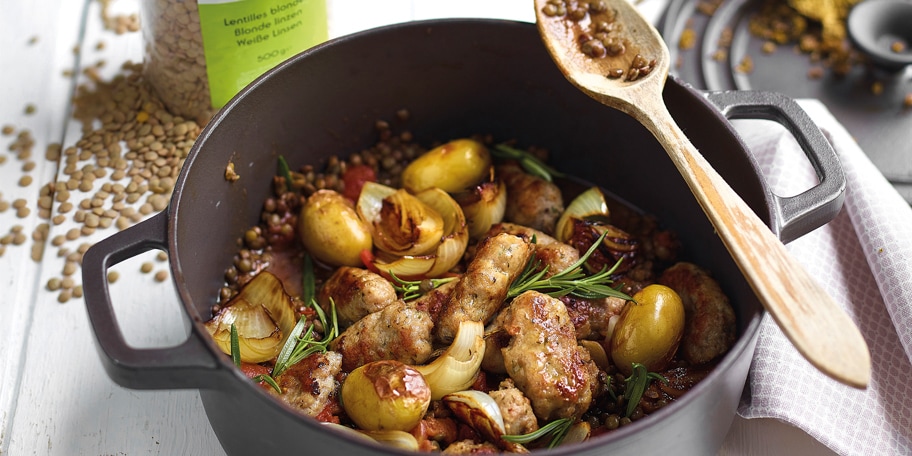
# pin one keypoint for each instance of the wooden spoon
(820, 330)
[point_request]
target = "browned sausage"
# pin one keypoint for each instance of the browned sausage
(310, 385)
(544, 359)
(710, 328)
(356, 292)
(557, 255)
(531, 200)
(399, 332)
(480, 292)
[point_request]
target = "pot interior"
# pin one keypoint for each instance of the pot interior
(456, 78)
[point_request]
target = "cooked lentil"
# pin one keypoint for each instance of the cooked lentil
(603, 36)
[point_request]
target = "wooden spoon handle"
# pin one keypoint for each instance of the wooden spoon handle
(821, 331)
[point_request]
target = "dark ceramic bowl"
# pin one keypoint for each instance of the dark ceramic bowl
(457, 78)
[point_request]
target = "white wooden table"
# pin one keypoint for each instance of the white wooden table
(55, 398)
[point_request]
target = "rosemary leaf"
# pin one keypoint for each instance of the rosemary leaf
(235, 346)
(636, 385)
(269, 381)
(285, 354)
(309, 282)
(412, 289)
(284, 171)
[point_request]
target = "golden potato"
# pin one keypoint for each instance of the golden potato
(331, 231)
(451, 167)
(649, 329)
(386, 395)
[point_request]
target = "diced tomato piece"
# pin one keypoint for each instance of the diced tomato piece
(252, 370)
(354, 179)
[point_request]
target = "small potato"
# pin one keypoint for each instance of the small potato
(331, 230)
(649, 330)
(386, 395)
(452, 167)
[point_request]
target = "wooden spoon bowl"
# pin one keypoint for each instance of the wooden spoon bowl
(601, 46)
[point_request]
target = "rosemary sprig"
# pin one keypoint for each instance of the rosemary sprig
(412, 289)
(304, 342)
(572, 281)
(636, 385)
(529, 162)
(557, 429)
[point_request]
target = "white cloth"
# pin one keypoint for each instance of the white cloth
(863, 259)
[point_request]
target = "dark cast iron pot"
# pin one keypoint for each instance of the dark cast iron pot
(456, 77)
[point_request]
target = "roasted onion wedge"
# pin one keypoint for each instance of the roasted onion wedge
(447, 248)
(589, 204)
(484, 206)
(480, 411)
(456, 369)
(263, 315)
(401, 224)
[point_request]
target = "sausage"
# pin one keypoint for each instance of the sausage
(710, 327)
(544, 359)
(468, 446)
(356, 292)
(398, 332)
(515, 408)
(480, 293)
(310, 385)
(531, 200)
(557, 255)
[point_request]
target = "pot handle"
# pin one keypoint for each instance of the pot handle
(807, 211)
(187, 365)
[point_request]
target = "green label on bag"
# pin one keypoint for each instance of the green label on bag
(243, 39)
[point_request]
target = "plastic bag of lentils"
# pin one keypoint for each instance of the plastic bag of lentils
(200, 53)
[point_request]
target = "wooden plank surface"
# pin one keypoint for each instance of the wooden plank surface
(35, 47)
(55, 398)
